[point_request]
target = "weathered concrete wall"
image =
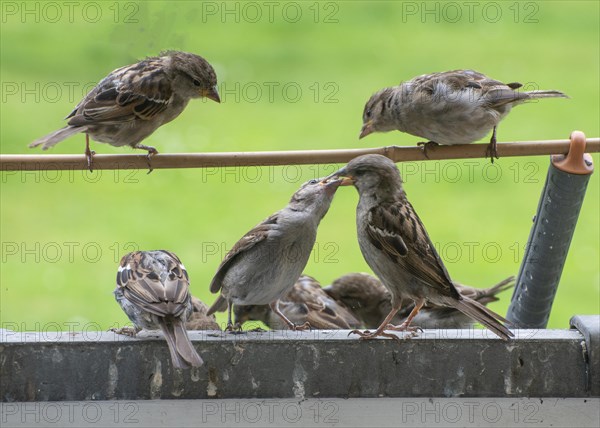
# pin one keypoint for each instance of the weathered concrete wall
(315, 364)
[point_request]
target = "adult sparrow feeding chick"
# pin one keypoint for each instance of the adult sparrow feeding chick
(306, 302)
(452, 107)
(396, 246)
(133, 101)
(368, 299)
(153, 290)
(266, 262)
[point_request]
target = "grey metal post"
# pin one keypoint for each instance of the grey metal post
(550, 236)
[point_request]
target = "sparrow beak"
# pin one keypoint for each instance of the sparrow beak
(347, 181)
(331, 185)
(211, 94)
(340, 177)
(366, 129)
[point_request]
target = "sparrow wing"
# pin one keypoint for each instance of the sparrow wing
(495, 93)
(396, 230)
(155, 281)
(321, 311)
(251, 239)
(138, 91)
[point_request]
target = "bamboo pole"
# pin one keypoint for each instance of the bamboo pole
(37, 162)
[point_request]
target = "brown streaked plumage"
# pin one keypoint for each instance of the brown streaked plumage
(153, 290)
(133, 101)
(198, 319)
(306, 302)
(396, 246)
(451, 107)
(370, 302)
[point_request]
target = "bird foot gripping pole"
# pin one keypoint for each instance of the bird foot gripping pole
(550, 236)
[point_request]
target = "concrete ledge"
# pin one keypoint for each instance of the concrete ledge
(281, 364)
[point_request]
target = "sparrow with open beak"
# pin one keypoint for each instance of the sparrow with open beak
(266, 262)
(396, 246)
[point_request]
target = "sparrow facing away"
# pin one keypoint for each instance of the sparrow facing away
(305, 303)
(396, 247)
(266, 262)
(370, 302)
(133, 101)
(452, 107)
(153, 290)
(198, 320)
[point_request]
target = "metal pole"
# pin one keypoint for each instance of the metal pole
(550, 237)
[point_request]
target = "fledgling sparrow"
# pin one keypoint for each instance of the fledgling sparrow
(153, 290)
(452, 107)
(370, 302)
(266, 262)
(396, 247)
(133, 101)
(306, 302)
(198, 320)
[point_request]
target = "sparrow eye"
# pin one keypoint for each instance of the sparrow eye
(313, 181)
(368, 114)
(196, 82)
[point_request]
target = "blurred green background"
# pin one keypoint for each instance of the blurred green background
(292, 75)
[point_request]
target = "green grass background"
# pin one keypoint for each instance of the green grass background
(199, 214)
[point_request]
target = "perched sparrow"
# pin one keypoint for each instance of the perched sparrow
(396, 246)
(134, 101)
(153, 290)
(306, 302)
(198, 320)
(453, 107)
(266, 262)
(370, 302)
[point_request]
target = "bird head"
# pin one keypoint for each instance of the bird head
(378, 114)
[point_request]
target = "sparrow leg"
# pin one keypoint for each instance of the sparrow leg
(427, 145)
(275, 308)
(405, 326)
(492, 149)
(230, 326)
(380, 330)
(151, 152)
(89, 153)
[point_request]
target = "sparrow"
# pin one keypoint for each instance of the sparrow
(198, 320)
(370, 302)
(266, 262)
(396, 246)
(305, 303)
(452, 107)
(132, 102)
(153, 290)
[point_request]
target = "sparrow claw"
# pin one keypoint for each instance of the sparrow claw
(426, 145)
(151, 152)
(491, 152)
(125, 331)
(360, 333)
(305, 326)
(366, 335)
(404, 327)
(492, 148)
